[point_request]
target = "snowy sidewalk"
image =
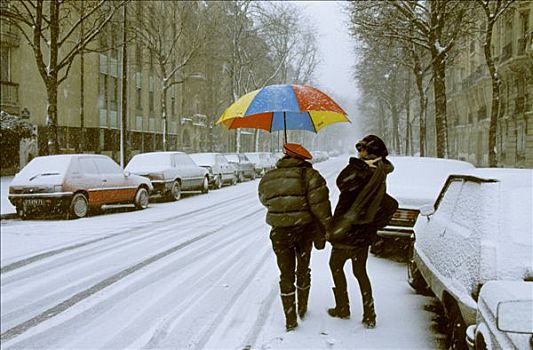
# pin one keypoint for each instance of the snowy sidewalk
(6, 209)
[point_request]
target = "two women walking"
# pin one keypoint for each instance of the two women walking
(299, 211)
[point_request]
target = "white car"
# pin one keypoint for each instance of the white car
(478, 230)
(263, 162)
(504, 317)
(170, 173)
(220, 170)
(415, 181)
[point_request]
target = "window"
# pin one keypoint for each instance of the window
(520, 141)
(468, 205)
(107, 166)
(139, 123)
(5, 58)
(88, 166)
(113, 91)
(183, 160)
(446, 203)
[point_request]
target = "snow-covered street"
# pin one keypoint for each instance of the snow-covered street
(193, 274)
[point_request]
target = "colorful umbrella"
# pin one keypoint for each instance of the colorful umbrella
(283, 107)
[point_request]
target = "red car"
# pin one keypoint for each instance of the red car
(74, 183)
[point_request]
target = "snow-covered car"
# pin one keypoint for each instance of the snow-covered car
(262, 161)
(245, 168)
(478, 230)
(170, 173)
(73, 184)
(415, 181)
(221, 171)
(504, 317)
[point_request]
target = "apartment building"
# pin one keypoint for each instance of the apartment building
(470, 93)
(89, 100)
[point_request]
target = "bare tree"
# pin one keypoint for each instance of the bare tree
(431, 25)
(173, 36)
(50, 29)
(492, 11)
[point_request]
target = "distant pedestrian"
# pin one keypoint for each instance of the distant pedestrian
(299, 212)
(362, 209)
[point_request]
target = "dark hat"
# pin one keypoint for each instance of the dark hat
(373, 145)
(296, 150)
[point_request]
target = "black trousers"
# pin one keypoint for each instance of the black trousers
(358, 255)
(292, 246)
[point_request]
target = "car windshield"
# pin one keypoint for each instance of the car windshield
(45, 166)
(203, 159)
(148, 160)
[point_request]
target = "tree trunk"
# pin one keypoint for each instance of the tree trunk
(494, 111)
(439, 87)
(164, 115)
(51, 120)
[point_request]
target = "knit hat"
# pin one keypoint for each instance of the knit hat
(296, 150)
(373, 145)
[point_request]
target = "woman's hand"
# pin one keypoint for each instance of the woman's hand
(371, 162)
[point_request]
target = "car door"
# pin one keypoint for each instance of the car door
(114, 181)
(185, 171)
(225, 167)
(91, 180)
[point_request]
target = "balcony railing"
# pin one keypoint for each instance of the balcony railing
(9, 94)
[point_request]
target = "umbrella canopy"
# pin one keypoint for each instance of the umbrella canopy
(283, 107)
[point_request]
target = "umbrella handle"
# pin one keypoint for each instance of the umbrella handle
(285, 125)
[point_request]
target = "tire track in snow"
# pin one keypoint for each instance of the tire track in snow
(91, 272)
(100, 249)
(206, 334)
(162, 222)
(81, 319)
(66, 304)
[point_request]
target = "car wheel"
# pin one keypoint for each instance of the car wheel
(241, 177)
(141, 198)
(175, 191)
(234, 180)
(205, 185)
(79, 206)
(414, 277)
(218, 182)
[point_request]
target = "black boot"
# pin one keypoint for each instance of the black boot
(369, 314)
(303, 296)
(342, 307)
(289, 308)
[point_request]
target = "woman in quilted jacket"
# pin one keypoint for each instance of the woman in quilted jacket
(299, 212)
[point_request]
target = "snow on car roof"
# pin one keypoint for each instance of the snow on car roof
(416, 181)
(203, 158)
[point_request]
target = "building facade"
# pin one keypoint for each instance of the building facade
(470, 93)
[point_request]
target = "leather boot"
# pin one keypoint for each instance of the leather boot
(342, 307)
(369, 314)
(303, 296)
(289, 308)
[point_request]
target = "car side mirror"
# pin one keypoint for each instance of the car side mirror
(515, 316)
(427, 210)
(127, 173)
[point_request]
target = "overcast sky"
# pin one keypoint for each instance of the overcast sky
(335, 71)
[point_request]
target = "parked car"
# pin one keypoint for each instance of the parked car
(170, 173)
(415, 181)
(75, 183)
(220, 170)
(262, 161)
(504, 317)
(245, 168)
(478, 230)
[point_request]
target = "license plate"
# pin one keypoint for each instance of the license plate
(31, 203)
